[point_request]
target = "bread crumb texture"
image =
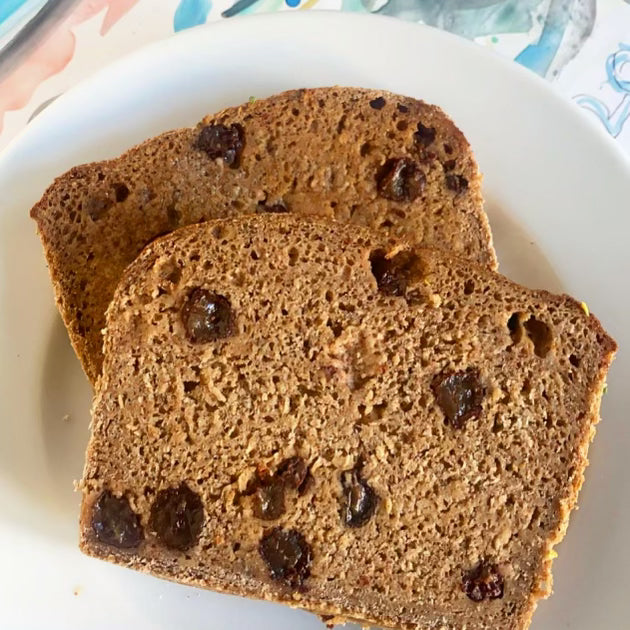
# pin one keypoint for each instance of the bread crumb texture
(293, 410)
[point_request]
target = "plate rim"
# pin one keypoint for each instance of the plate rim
(530, 78)
(588, 125)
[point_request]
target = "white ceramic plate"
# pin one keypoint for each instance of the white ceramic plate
(557, 194)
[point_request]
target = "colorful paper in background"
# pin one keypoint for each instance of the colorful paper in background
(54, 54)
(583, 45)
(599, 79)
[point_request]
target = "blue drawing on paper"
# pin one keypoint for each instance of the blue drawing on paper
(240, 6)
(618, 77)
(191, 13)
(564, 25)
(8, 7)
(538, 56)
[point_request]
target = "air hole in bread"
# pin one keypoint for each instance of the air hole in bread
(190, 386)
(540, 335)
(335, 327)
(515, 327)
(121, 191)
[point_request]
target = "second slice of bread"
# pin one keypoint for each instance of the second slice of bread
(367, 157)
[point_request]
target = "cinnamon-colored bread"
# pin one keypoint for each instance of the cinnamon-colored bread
(367, 157)
(293, 410)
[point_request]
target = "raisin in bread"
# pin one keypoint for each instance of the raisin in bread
(288, 410)
(372, 158)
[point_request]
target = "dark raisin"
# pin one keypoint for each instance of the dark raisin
(115, 523)
(287, 556)
(402, 108)
(424, 135)
(377, 103)
(456, 183)
(274, 208)
(359, 499)
(400, 179)
(177, 517)
(207, 316)
(97, 205)
(269, 500)
(293, 472)
(449, 165)
(221, 141)
(483, 582)
(459, 395)
(393, 275)
(263, 474)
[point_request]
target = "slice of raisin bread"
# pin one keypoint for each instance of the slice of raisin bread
(372, 158)
(290, 411)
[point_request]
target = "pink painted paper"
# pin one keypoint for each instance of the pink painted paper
(54, 54)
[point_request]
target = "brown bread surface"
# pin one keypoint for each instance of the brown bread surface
(321, 420)
(331, 150)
